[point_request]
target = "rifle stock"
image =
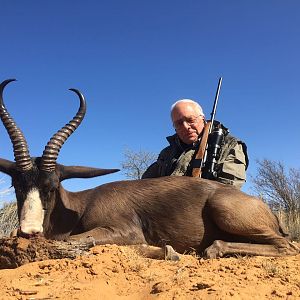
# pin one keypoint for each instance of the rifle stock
(200, 155)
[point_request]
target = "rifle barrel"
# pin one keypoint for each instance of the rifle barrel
(212, 114)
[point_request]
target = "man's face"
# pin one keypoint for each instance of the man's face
(187, 122)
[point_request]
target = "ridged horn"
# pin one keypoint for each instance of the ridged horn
(53, 147)
(21, 152)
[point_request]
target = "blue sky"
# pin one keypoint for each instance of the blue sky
(133, 59)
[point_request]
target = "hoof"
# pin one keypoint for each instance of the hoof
(215, 250)
(171, 254)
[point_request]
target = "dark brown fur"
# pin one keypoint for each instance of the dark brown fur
(186, 213)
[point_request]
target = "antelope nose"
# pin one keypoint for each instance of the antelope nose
(20, 233)
(29, 228)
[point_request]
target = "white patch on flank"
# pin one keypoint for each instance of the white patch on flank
(32, 214)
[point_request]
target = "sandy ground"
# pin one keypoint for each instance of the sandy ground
(113, 272)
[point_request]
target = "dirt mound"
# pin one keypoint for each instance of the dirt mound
(113, 272)
(15, 252)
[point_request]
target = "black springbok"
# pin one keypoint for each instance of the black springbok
(186, 213)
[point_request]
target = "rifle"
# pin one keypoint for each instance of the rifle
(201, 155)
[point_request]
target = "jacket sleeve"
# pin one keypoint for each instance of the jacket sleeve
(160, 167)
(232, 168)
(152, 171)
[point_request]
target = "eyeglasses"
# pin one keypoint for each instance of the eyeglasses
(192, 120)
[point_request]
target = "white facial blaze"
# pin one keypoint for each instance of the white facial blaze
(32, 214)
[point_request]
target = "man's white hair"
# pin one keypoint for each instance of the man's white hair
(188, 101)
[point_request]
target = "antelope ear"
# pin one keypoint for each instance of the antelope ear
(7, 166)
(68, 172)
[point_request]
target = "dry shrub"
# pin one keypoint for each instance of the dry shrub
(279, 186)
(136, 163)
(291, 221)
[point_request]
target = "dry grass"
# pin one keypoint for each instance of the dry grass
(8, 218)
(291, 221)
(272, 269)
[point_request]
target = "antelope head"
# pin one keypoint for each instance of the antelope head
(37, 180)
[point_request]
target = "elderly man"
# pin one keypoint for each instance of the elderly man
(178, 158)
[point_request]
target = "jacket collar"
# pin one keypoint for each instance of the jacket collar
(175, 141)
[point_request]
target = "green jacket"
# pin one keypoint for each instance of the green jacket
(177, 158)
